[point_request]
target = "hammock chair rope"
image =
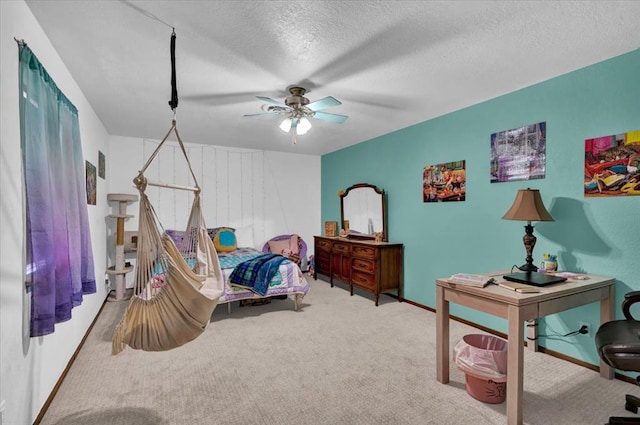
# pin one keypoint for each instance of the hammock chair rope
(175, 290)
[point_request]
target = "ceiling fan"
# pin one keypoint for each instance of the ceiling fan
(298, 110)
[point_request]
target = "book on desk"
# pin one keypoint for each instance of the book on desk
(476, 280)
(519, 287)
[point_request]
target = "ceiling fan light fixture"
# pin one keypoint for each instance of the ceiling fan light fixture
(303, 126)
(297, 110)
(285, 125)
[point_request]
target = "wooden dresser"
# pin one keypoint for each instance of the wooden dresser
(373, 266)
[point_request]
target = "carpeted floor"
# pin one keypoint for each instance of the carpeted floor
(338, 360)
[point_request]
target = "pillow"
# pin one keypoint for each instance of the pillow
(177, 236)
(225, 240)
(294, 244)
(278, 247)
(289, 245)
(212, 231)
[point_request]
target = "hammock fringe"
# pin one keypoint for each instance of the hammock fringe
(117, 344)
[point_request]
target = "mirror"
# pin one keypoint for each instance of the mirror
(363, 211)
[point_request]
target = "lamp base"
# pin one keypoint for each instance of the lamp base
(528, 267)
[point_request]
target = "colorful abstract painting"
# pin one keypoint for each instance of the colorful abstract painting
(611, 165)
(519, 153)
(444, 182)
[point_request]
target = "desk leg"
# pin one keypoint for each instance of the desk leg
(442, 336)
(606, 315)
(515, 366)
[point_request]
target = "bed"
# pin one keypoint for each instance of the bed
(287, 280)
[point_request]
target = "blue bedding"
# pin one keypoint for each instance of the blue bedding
(256, 273)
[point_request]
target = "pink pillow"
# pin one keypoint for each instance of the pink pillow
(277, 247)
(293, 245)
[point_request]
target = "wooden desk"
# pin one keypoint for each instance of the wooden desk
(517, 308)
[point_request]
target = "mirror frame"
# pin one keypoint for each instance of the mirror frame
(383, 206)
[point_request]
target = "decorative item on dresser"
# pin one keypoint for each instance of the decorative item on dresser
(331, 228)
(373, 266)
(361, 257)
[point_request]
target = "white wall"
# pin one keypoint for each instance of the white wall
(266, 193)
(30, 367)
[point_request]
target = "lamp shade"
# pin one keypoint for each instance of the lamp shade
(303, 126)
(285, 125)
(528, 206)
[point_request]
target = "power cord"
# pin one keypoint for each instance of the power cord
(584, 329)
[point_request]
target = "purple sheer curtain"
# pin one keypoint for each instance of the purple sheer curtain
(59, 257)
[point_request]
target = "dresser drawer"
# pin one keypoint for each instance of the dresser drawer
(342, 248)
(322, 265)
(363, 279)
(364, 265)
(323, 244)
(323, 254)
(363, 251)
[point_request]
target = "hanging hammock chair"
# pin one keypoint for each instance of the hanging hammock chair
(175, 291)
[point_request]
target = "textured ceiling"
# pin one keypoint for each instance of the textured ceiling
(391, 63)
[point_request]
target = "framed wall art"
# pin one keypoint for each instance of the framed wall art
(519, 153)
(91, 183)
(444, 182)
(101, 165)
(611, 165)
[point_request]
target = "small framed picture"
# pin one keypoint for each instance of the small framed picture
(91, 183)
(101, 165)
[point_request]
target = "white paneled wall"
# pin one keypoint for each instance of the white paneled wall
(264, 193)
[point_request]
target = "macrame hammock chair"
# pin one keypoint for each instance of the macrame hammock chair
(175, 290)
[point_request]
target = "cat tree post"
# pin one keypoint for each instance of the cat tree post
(120, 269)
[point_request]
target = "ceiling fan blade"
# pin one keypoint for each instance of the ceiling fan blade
(294, 123)
(339, 119)
(262, 114)
(275, 102)
(324, 103)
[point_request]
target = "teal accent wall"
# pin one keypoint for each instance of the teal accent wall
(599, 236)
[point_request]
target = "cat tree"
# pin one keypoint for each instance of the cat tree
(120, 268)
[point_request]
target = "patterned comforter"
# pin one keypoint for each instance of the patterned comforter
(256, 273)
(288, 279)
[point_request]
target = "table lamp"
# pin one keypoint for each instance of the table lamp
(528, 207)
